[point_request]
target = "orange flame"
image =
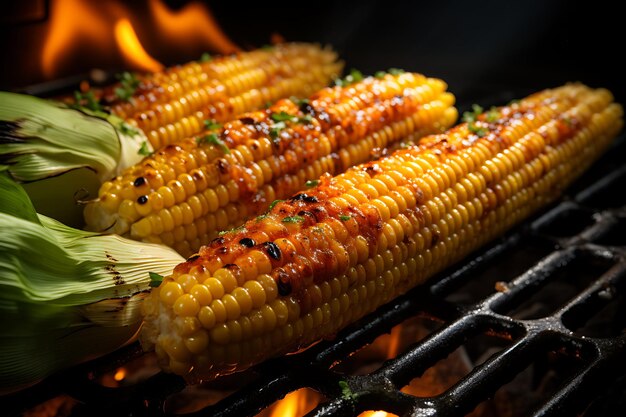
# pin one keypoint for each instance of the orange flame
(194, 21)
(78, 27)
(376, 414)
(71, 20)
(131, 48)
(120, 374)
(295, 404)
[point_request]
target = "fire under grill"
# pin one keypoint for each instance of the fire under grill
(549, 297)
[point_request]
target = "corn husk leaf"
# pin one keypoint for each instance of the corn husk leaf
(63, 154)
(66, 295)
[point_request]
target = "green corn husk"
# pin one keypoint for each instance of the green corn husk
(66, 295)
(62, 155)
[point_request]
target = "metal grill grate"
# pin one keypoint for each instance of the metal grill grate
(585, 243)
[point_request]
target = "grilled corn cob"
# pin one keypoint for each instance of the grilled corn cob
(185, 194)
(172, 105)
(326, 257)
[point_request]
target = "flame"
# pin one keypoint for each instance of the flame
(394, 342)
(131, 48)
(71, 20)
(194, 21)
(83, 33)
(295, 404)
(376, 414)
(120, 374)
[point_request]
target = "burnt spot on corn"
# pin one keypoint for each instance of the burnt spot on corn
(142, 199)
(139, 181)
(304, 197)
(272, 250)
(247, 242)
(193, 258)
(284, 287)
(247, 120)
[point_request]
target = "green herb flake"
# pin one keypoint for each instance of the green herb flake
(127, 129)
(236, 229)
(355, 76)
(145, 149)
(380, 74)
(299, 101)
(276, 129)
(267, 47)
(261, 217)
(477, 130)
(128, 85)
(86, 100)
(492, 115)
(274, 204)
(306, 119)
(205, 57)
(283, 117)
(155, 279)
(567, 121)
(293, 219)
(472, 116)
(346, 392)
(211, 124)
(395, 71)
(311, 183)
(344, 218)
(213, 139)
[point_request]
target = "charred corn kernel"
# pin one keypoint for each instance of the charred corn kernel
(243, 169)
(421, 209)
(172, 105)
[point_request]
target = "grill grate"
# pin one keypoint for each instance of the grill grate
(582, 240)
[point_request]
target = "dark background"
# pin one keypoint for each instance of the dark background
(479, 47)
(487, 51)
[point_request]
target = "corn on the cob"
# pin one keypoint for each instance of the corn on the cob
(185, 194)
(329, 256)
(172, 105)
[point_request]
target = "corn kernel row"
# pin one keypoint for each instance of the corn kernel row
(334, 253)
(172, 105)
(184, 196)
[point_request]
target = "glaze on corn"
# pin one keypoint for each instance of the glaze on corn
(172, 105)
(327, 257)
(185, 194)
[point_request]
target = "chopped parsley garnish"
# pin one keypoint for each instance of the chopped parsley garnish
(283, 117)
(311, 183)
(205, 57)
(127, 129)
(344, 218)
(86, 100)
(293, 219)
(128, 85)
(268, 47)
(395, 71)
(155, 279)
(380, 74)
(299, 101)
(478, 131)
(492, 115)
(306, 119)
(472, 116)
(274, 204)
(213, 139)
(236, 229)
(276, 128)
(346, 392)
(211, 124)
(145, 149)
(355, 76)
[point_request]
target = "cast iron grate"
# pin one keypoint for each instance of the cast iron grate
(581, 242)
